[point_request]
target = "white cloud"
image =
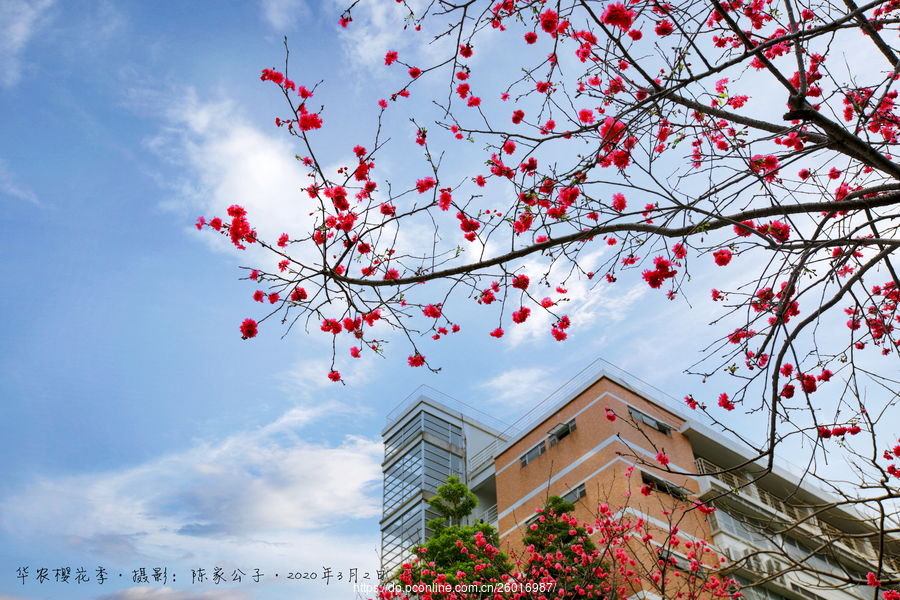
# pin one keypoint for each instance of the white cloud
(382, 26)
(377, 28)
(9, 186)
(19, 22)
(264, 488)
(587, 303)
(283, 14)
(225, 160)
(521, 387)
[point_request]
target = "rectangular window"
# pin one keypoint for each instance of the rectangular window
(665, 487)
(640, 417)
(806, 592)
(561, 431)
(399, 439)
(745, 527)
(576, 493)
(441, 429)
(681, 563)
(533, 453)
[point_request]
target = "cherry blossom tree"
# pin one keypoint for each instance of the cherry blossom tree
(614, 555)
(611, 141)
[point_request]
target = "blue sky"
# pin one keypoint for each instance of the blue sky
(137, 429)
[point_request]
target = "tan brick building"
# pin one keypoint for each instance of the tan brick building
(582, 443)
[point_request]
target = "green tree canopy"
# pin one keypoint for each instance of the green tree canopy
(454, 501)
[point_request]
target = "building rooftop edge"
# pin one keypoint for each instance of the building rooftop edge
(425, 394)
(590, 375)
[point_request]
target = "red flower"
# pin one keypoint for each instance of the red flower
(723, 257)
(465, 51)
(725, 403)
(298, 295)
(530, 37)
(248, 329)
(517, 117)
(390, 57)
(270, 75)
(497, 333)
(334, 376)
(617, 15)
(808, 381)
(273, 298)
(416, 361)
(662, 459)
(392, 274)
(354, 352)
(423, 185)
(586, 116)
(258, 296)
(745, 229)
(520, 282)
(549, 21)
(664, 28)
(618, 202)
(310, 121)
(200, 222)
(283, 240)
(521, 315)
(414, 72)
(331, 326)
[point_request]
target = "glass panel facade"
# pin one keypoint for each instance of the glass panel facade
(759, 593)
(422, 466)
(399, 439)
(747, 528)
(402, 534)
(403, 479)
(440, 428)
(423, 421)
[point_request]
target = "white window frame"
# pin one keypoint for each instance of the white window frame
(646, 419)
